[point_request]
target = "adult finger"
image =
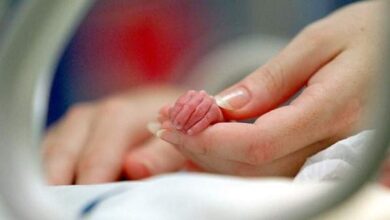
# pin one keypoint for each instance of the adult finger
(63, 144)
(288, 165)
(321, 111)
(114, 130)
(281, 77)
(153, 158)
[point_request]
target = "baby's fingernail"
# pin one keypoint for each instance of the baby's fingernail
(233, 99)
(169, 136)
(153, 127)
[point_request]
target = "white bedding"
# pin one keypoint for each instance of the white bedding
(202, 196)
(199, 196)
(189, 196)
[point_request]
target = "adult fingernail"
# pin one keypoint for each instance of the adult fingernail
(153, 127)
(233, 99)
(169, 136)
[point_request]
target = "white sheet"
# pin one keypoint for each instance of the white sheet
(191, 196)
(336, 161)
(202, 196)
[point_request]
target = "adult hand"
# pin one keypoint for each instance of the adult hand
(95, 142)
(334, 61)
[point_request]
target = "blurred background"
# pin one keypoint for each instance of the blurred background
(126, 43)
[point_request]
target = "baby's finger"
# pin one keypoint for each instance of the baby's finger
(213, 115)
(275, 135)
(186, 111)
(314, 116)
(200, 112)
(163, 114)
(180, 103)
(165, 110)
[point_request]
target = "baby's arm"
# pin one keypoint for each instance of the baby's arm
(194, 111)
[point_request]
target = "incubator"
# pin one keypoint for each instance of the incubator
(41, 30)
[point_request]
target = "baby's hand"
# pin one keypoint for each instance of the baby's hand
(194, 111)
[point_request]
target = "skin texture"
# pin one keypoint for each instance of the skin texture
(194, 111)
(333, 60)
(102, 141)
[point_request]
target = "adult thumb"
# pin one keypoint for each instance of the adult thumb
(280, 78)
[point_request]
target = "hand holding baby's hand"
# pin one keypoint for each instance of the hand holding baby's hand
(334, 62)
(192, 113)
